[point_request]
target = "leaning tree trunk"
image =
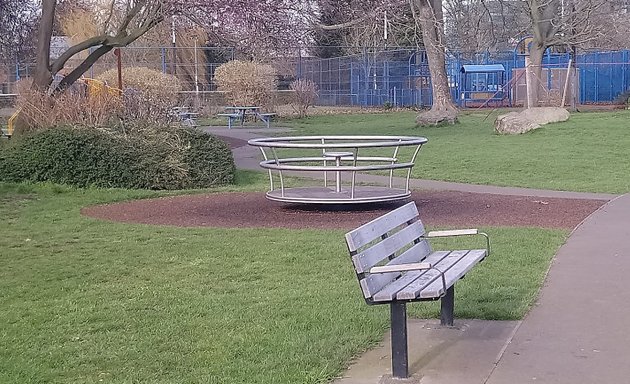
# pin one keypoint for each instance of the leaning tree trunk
(432, 23)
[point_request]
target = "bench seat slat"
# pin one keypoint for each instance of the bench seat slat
(381, 250)
(389, 292)
(413, 290)
(374, 283)
(379, 226)
(455, 273)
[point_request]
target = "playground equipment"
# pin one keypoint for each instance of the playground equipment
(333, 156)
(483, 83)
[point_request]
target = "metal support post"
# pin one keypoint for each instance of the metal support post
(400, 360)
(447, 304)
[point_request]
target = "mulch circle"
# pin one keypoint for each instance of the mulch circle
(437, 208)
(233, 142)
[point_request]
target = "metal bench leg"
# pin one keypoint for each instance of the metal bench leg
(400, 362)
(447, 305)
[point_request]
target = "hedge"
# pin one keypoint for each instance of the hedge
(84, 157)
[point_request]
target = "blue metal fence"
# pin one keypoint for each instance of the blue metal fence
(401, 77)
(396, 77)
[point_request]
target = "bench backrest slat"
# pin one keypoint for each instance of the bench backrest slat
(366, 259)
(375, 228)
(394, 238)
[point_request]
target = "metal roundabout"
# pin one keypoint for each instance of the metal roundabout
(342, 163)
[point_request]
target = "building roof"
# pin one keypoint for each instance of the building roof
(479, 68)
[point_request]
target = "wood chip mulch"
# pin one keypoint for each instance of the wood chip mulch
(437, 208)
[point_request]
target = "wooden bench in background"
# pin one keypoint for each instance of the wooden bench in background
(395, 264)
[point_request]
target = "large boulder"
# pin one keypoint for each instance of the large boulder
(434, 117)
(529, 119)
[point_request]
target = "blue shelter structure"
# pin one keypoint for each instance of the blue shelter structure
(482, 84)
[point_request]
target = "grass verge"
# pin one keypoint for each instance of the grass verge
(87, 301)
(588, 153)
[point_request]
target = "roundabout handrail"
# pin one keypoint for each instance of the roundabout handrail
(333, 161)
(290, 141)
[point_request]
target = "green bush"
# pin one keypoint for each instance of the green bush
(88, 157)
(209, 159)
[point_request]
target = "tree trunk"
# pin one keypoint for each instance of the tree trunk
(43, 77)
(534, 75)
(432, 22)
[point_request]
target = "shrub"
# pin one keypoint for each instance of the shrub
(148, 94)
(181, 158)
(210, 161)
(41, 111)
(623, 99)
(306, 93)
(247, 83)
(68, 156)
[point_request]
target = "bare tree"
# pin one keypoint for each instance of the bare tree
(137, 18)
(256, 28)
(428, 17)
(484, 25)
(428, 13)
(558, 23)
(18, 20)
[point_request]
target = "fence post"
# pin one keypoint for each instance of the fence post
(163, 57)
(352, 86)
(612, 60)
(596, 66)
(624, 70)
(299, 64)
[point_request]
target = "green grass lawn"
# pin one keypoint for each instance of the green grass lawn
(89, 301)
(590, 152)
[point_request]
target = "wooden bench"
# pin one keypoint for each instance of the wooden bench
(395, 264)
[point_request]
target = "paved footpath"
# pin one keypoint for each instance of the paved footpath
(578, 331)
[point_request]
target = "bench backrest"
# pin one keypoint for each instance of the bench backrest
(394, 238)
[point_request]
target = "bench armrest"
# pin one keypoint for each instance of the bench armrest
(459, 232)
(401, 267)
(454, 232)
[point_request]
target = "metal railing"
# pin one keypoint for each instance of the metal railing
(339, 154)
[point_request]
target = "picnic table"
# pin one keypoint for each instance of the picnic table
(240, 112)
(185, 116)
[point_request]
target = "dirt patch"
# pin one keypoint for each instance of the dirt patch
(437, 208)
